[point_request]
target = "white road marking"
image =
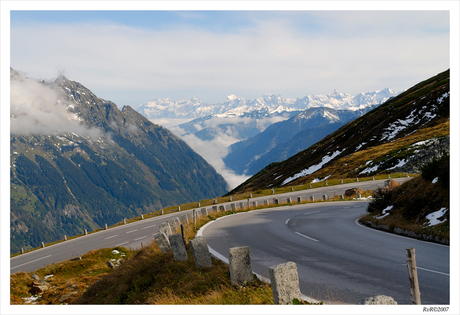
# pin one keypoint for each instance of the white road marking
(140, 238)
(312, 212)
(306, 236)
(121, 244)
(131, 231)
(287, 221)
(110, 237)
(146, 227)
(441, 273)
(30, 262)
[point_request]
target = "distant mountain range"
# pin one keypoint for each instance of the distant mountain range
(78, 162)
(380, 141)
(268, 104)
(284, 139)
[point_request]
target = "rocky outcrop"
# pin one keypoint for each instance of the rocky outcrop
(433, 150)
(378, 300)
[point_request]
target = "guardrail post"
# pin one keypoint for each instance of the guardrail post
(106, 226)
(142, 216)
(86, 232)
(162, 211)
(65, 237)
(43, 245)
(178, 208)
(285, 283)
(240, 265)
(22, 250)
(413, 278)
(124, 221)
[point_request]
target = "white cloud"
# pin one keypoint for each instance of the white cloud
(353, 52)
(37, 108)
(213, 151)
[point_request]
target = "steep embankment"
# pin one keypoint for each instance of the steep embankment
(384, 139)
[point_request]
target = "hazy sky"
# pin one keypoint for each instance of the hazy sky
(131, 57)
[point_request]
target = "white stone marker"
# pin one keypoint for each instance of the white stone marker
(163, 242)
(178, 247)
(204, 212)
(184, 219)
(299, 199)
(240, 265)
(165, 228)
(285, 283)
(200, 252)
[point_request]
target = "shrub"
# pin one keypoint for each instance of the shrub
(438, 168)
(383, 198)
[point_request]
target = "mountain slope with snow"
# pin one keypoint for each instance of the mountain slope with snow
(378, 141)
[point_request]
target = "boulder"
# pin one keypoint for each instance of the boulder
(353, 192)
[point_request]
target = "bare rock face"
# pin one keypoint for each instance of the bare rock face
(378, 300)
(353, 192)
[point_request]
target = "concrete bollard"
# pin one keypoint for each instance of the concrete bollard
(142, 217)
(124, 221)
(299, 199)
(250, 195)
(275, 201)
(359, 196)
(266, 202)
(106, 226)
(43, 245)
(204, 212)
(214, 208)
(407, 175)
(162, 211)
(289, 200)
(178, 247)
(312, 198)
(22, 250)
(215, 201)
(165, 228)
(373, 178)
(341, 197)
(175, 224)
(309, 186)
(163, 242)
(240, 265)
(285, 283)
(183, 219)
(341, 181)
(194, 216)
(222, 208)
(230, 199)
(357, 179)
(241, 205)
(324, 197)
(65, 237)
(254, 204)
(292, 188)
(178, 208)
(200, 252)
(86, 232)
(273, 191)
(389, 176)
(326, 183)
(233, 206)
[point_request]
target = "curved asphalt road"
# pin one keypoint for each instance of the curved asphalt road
(337, 259)
(134, 234)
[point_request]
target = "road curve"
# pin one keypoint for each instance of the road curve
(338, 260)
(132, 235)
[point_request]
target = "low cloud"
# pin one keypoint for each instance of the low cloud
(213, 151)
(40, 108)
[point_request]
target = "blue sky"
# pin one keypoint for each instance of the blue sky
(132, 57)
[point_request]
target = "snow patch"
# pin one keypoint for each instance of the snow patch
(385, 212)
(435, 180)
(433, 218)
(312, 168)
